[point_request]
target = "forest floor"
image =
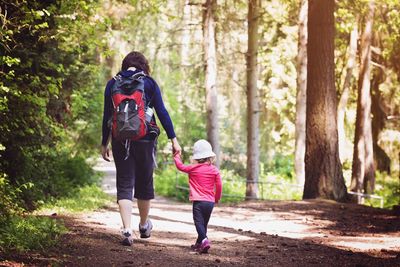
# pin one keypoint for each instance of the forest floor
(257, 233)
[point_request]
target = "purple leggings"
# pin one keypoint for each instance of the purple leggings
(201, 215)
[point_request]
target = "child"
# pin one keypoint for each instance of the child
(205, 189)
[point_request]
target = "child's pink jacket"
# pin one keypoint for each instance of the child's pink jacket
(203, 178)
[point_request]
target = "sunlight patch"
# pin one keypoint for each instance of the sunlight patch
(367, 243)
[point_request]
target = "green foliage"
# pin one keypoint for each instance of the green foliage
(29, 233)
(56, 58)
(45, 174)
(280, 189)
(188, 118)
(166, 180)
(274, 184)
(35, 232)
(49, 103)
(233, 187)
(386, 40)
(8, 201)
(281, 165)
(387, 187)
(158, 42)
(277, 59)
(86, 198)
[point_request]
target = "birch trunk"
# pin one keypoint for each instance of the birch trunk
(300, 143)
(211, 75)
(344, 97)
(252, 101)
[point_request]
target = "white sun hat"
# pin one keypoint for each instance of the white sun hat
(202, 149)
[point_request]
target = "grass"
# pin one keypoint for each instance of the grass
(38, 232)
(87, 198)
(21, 233)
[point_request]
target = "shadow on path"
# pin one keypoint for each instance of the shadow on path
(268, 233)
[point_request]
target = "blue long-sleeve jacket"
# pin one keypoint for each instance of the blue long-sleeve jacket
(153, 98)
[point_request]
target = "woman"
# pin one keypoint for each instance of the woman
(136, 172)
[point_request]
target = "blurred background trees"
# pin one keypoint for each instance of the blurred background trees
(56, 57)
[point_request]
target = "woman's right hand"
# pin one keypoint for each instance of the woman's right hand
(105, 153)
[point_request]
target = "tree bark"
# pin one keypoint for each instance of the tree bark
(382, 160)
(300, 142)
(324, 177)
(211, 76)
(363, 170)
(185, 66)
(253, 150)
(344, 97)
(185, 37)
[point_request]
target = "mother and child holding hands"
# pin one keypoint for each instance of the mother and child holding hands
(129, 122)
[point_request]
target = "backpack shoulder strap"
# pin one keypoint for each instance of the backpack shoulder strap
(151, 98)
(128, 84)
(135, 76)
(138, 75)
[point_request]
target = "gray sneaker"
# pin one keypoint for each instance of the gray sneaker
(145, 232)
(127, 239)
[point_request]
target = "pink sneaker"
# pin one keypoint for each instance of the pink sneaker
(204, 246)
(195, 247)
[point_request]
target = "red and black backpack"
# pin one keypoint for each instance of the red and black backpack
(129, 101)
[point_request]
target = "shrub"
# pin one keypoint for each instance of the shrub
(8, 200)
(44, 175)
(35, 232)
(388, 187)
(170, 182)
(29, 233)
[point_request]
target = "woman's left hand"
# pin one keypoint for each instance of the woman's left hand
(176, 148)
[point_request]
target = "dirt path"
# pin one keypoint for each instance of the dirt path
(273, 233)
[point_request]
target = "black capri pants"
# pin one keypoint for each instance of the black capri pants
(136, 172)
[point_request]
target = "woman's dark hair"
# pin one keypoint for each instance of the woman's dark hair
(137, 60)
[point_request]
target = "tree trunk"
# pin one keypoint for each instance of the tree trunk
(211, 75)
(185, 37)
(324, 177)
(185, 67)
(363, 170)
(300, 143)
(252, 101)
(382, 160)
(344, 97)
(379, 116)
